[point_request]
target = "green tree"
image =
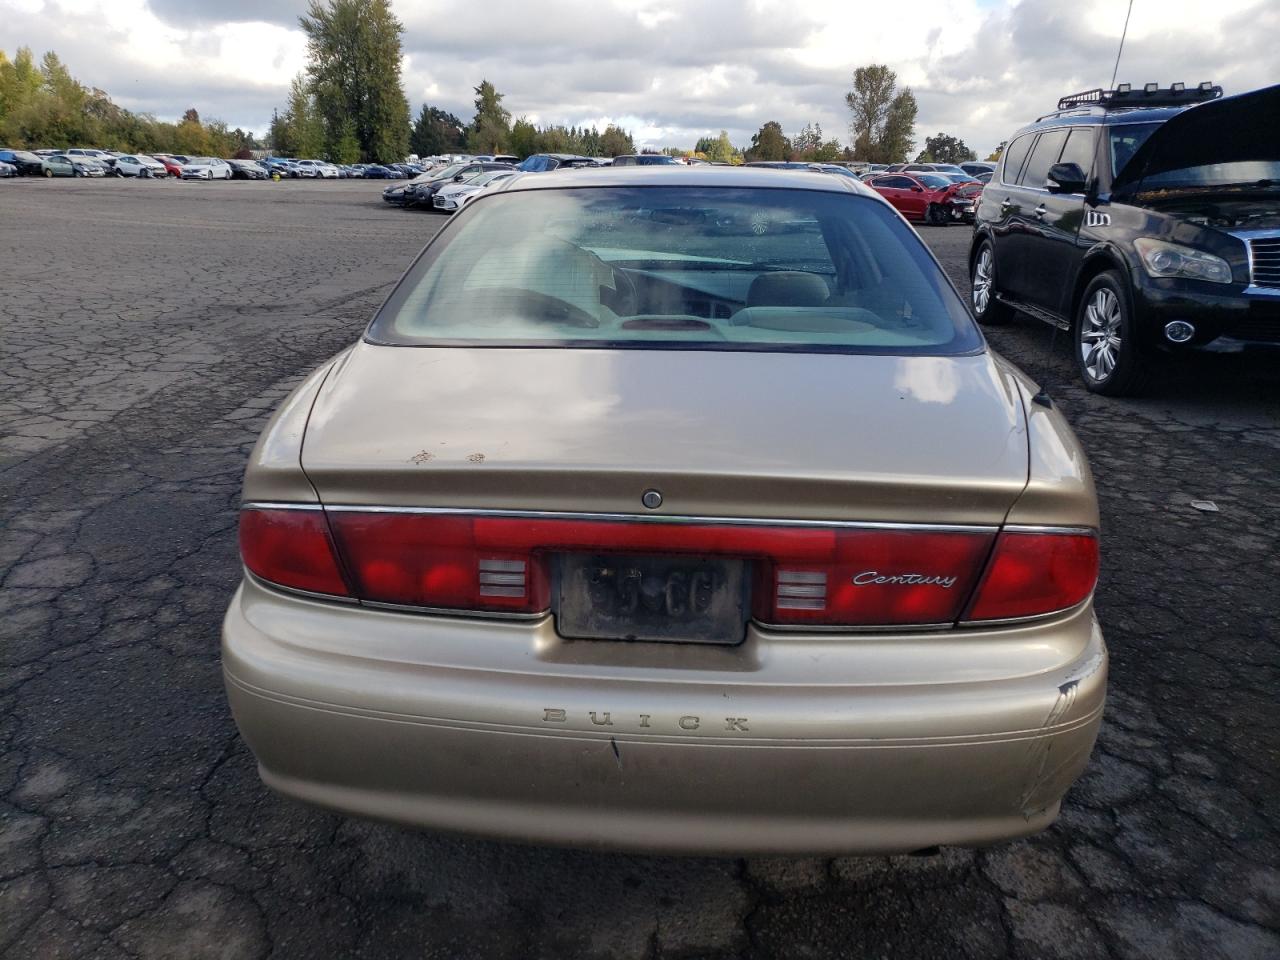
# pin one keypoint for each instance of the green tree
(45, 106)
(353, 72)
(491, 127)
(868, 102)
(997, 152)
(616, 142)
(882, 117)
(191, 138)
(524, 138)
(347, 149)
(899, 128)
(436, 132)
(721, 150)
(944, 148)
(300, 132)
(806, 143)
(769, 143)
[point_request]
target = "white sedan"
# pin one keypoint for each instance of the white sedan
(453, 198)
(206, 168)
(131, 165)
(317, 169)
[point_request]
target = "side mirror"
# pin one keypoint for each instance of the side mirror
(917, 189)
(1066, 178)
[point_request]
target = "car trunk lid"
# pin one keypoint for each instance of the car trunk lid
(788, 436)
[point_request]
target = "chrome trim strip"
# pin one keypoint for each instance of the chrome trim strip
(853, 628)
(674, 520)
(461, 614)
(677, 519)
(267, 505)
(1035, 528)
(1247, 237)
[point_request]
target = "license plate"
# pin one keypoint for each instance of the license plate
(672, 599)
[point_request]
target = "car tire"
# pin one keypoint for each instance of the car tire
(47, 172)
(935, 216)
(987, 307)
(1105, 339)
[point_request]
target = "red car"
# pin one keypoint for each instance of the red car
(171, 166)
(927, 197)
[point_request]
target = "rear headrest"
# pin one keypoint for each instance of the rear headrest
(787, 288)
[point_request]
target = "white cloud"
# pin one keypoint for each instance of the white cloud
(669, 70)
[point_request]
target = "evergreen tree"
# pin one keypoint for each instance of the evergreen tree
(436, 132)
(616, 142)
(491, 127)
(769, 143)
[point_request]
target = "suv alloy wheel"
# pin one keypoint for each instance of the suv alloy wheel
(1106, 342)
(988, 310)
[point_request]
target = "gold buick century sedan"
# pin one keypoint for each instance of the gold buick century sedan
(672, 509)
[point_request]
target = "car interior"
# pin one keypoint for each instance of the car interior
(839, 273)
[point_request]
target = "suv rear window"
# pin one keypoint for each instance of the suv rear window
(710, 268)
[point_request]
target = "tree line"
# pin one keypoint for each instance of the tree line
(44, 106)
(492, 131)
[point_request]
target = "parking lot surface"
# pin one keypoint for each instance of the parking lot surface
(148, 328)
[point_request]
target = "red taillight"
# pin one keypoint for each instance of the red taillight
(291, 548)
(874, 578)
(449, 562)
(1031, 574)
(803, 575)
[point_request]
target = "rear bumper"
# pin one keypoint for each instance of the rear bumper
(787, 744)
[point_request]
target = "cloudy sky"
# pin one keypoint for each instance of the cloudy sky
(668, 70)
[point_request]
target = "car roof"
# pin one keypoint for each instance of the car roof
(1092, 116)
(680, 175)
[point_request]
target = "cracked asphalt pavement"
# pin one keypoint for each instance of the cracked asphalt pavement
(146, 331)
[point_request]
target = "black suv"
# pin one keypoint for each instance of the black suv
(1139, 220)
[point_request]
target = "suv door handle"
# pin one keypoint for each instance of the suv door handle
(1041, 210)
(1006, 203)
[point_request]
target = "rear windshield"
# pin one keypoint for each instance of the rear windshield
(712, 268)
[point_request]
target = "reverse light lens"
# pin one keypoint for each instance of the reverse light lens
(1164, 259)
(291, 548)
(1033, 574)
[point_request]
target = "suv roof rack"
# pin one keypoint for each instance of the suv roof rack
(1124, 97)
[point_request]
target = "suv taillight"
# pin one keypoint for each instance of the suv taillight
(803, 575)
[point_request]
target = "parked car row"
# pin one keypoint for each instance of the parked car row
(449, 186)
(90, 162)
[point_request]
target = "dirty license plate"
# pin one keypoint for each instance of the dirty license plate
(672, 599)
